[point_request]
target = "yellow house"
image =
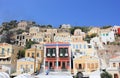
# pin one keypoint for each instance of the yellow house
(76, 38)
(78, 32)
(94, 30)
(38, 46)
(21, 39)
(8, 57)
(62, 37)
(52, 31)
(114, 67)
(34, 30)
(31, 53)
(48, 37)
(22, 25)
(85, 64)
(38, 37)
(26, 65)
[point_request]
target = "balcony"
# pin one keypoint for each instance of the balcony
(50, 55)
(2, 55)
(53, 54)
(114, 69)
(66, 54)
(50, 52)
(5, 62)
(5, 56)
(63, 55)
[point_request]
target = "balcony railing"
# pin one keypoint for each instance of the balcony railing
(66, 54)
(5, 62)
(63, 55)
(2, 55)
(51, 55)
(48, 54)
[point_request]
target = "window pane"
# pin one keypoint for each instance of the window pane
(76, 46)
(38, 55)
(59, 63)
(46, 63)
(2, 50)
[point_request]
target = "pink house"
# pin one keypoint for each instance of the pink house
(57, 56)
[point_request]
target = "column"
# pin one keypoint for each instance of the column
(44, 56)
(57, 56)
(86, 67)
(69, 51)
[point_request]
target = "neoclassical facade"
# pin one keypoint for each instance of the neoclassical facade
(85, 64)
(94, 30)
(38, 37)
(21, 39)
(26, 65)
(57, 57)
(78, 32)
(31, 53)
(8, 57)
(114, 67)
(62, 37)
(82, 48)
(34, 30)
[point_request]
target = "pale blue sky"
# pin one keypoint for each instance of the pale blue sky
(56, 12)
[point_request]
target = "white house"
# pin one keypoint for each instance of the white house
(62, 37)
(65, 26)
(115, 28)
(82, 48)
(96, 42)
(106, 37)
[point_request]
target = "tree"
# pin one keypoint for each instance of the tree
(20, 31)
(29, 43)
(5, 25)
(60, 26)
(105, 74)
(93, 35)
(49, 26)
(88, 37)
(9, 25)
(21, 54)
(73, 29)
(83, 28)
(6, 36)
(105, 27)
(13, 23)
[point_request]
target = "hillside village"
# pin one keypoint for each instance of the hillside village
(27, 47)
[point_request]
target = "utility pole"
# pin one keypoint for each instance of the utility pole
(35, 61)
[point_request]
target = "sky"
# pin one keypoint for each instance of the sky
(57, 12)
